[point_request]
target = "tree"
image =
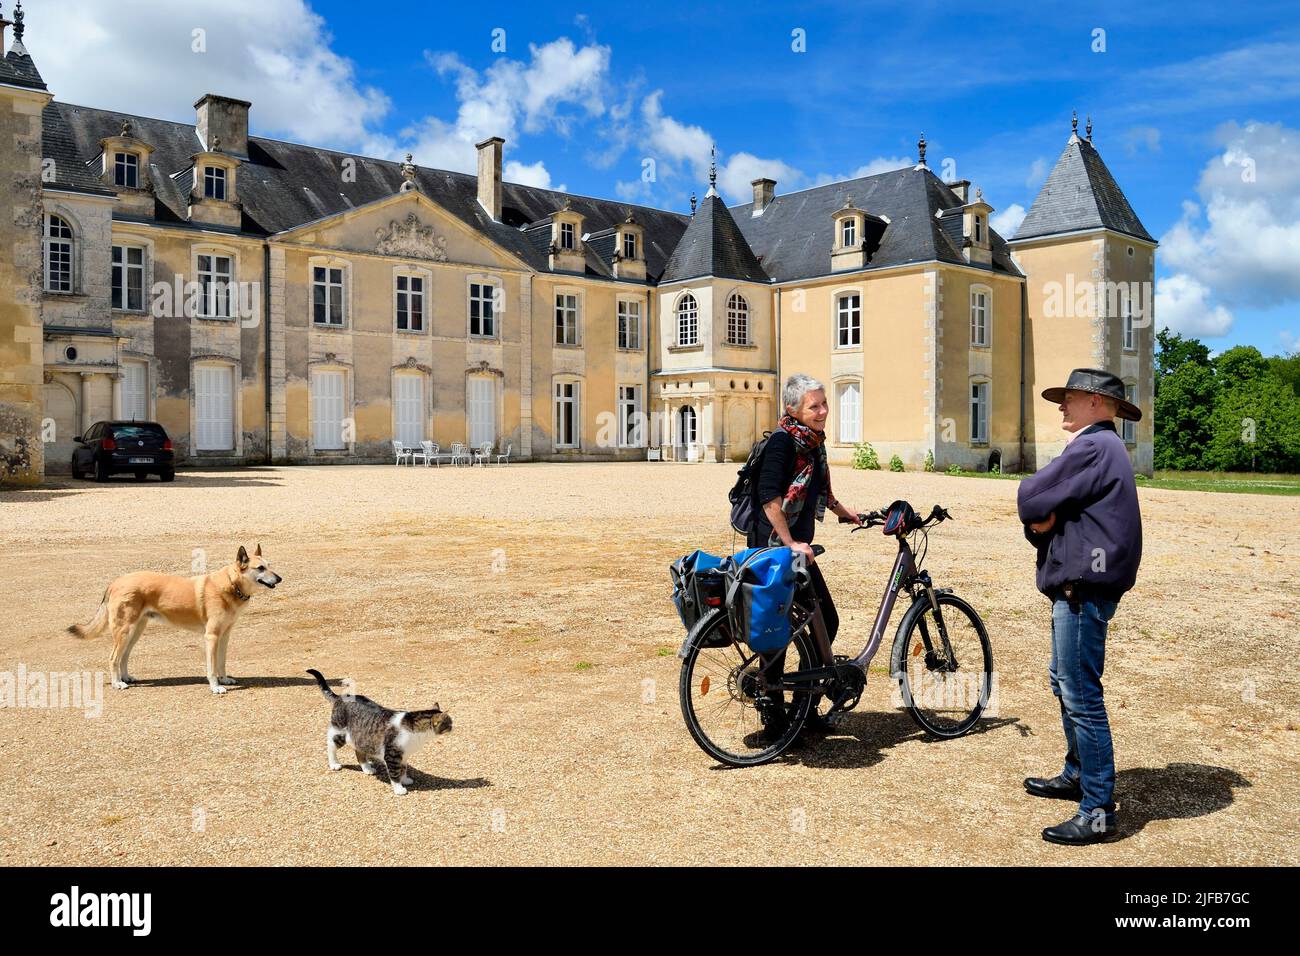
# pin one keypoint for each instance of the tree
(1183, 408)
(1176, 351)
(1256, 421)
(1287, 368)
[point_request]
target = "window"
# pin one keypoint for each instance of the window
(214, 182)
(566, 414)
(126, 170)
(979, 229)
(327, 295)
(408, 408)
(629, 324)
(688, 320)
(737, 320)
(567, 235)
(849, 231)
(979, 317)
(135, 391)
(327, 406)
(979, 413)
(214, 408)
(215, 275)
(128, 278)
(629, 245)
(629, 416)
(849, 324)
(410, 303)
(687, 434)
(1130, 331)
(851, 412)
(1128, 429)
(566, 319)
(482, 409)
(57, 249)
(482, 311)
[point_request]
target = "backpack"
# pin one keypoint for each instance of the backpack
(698, 584)
(743, 493)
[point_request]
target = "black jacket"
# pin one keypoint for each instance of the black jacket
(774, 477)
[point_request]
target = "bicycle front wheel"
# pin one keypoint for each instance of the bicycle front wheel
(726, 709)
(945, 687)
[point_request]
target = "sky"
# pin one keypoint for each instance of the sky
(1195, 106)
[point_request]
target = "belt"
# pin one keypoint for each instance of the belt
(1078, 591)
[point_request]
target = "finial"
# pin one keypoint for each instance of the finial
(979, 194)
(713, 165)
(920, 151)
(126, 127)
(1074, 122)
(692, 204)
(216, 144)
(408, 174)
(18, 22)
(1088, 129)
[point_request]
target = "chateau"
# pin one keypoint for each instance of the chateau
(274, 302)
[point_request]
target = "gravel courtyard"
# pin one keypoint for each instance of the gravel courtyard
(531, 601)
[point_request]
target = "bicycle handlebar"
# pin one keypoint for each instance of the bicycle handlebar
(874, 518)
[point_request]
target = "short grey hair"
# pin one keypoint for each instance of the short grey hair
(797, 386)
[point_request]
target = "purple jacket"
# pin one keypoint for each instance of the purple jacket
(1097, 537)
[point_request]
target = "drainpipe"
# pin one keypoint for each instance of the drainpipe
(266, 322)
(645, 333)
(1024, 324)
(776, 354)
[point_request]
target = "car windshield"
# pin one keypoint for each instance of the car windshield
(126, 432)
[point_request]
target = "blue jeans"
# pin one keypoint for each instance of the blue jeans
(1078, 657)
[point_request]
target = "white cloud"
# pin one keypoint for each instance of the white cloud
(736, 177)
(1006, 222)
(1182, 304)
(532, 174)
(674, 141)
(1037, 173)
(140, 57)
(1141, 138)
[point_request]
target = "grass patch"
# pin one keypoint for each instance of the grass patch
(1236, 482)
(666, 651)
(583, 666)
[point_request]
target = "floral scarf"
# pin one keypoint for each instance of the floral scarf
(809, 453)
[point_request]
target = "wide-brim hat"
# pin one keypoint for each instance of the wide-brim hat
(1099, 382)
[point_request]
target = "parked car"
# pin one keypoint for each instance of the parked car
(109, 448)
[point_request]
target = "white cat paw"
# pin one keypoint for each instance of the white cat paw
(399, 789)
(120, 684)
(336, 766)
(225, 680)
(367, 768)
(406, 778)
(217, 689)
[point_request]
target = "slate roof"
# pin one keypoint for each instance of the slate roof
(793, 236)
(284, 185)
(713, 246)
(1080, 193)
(17, 68)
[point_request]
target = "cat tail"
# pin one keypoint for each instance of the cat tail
(324, 686)
(97, 624)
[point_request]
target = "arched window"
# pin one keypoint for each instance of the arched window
(851, 412)
(688, 320)
(57, 248)
(737, 320)
(686, 431)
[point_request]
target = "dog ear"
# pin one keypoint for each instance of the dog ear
(258, 550)
(242, 557)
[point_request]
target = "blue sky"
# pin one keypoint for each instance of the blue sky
(1194, 105)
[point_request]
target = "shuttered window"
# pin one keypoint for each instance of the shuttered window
(327, 410)
(408, 401)
(214, 408)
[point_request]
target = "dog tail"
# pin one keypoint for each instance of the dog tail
(324, 687)
(97, 623)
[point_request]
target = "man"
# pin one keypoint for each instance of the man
(1081, 513)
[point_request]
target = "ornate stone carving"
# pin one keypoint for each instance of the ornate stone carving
(410, 238)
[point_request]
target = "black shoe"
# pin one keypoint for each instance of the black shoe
(1083, 829)
(775, 721)
(1057, 788)
(822, 723)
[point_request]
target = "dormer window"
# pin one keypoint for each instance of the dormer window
(214, 183)
(979, 229)
(126, 170)
(568, 236)
(849, 232)
(629, 245)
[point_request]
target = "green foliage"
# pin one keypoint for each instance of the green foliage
(1183, 405)
(865, 457)
(1176, 351)
(1255, 426)
(954, 470)
(929, 461)
(1287, 368)
(895, 464)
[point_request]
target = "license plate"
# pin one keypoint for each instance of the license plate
(141, 461)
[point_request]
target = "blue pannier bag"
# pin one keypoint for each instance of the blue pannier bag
(760, 588)
(698, 584)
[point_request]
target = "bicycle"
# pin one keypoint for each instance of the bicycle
(758, 707)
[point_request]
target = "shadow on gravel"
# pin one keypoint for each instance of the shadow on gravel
(244, 682)
(1178, 791)
(863, 739)
(427, 781)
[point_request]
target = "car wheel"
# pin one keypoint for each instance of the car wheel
(101, 470)
(77, 473)
(167, 475)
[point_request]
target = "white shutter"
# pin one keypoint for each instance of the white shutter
(135, 404)
(850, 413)
(327, 403)
(408, 397)
(482, 410)
(214, 408)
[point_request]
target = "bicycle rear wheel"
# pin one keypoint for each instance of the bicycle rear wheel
(719, 688)
(944, 692)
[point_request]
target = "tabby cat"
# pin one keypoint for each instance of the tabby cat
(378, 735)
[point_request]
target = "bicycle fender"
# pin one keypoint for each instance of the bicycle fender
(695, 633)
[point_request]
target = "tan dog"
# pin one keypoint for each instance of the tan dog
(207, 603)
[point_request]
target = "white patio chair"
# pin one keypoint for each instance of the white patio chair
(400, 452)
(429, 453)
(483, 454)
(504, 458)
(458, 453)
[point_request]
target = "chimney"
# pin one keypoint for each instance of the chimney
(764, 191)
(962, 188)
(225, 119)
(489, 175)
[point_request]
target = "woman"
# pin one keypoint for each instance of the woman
(794, 489)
